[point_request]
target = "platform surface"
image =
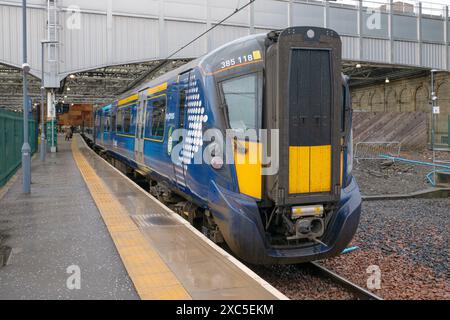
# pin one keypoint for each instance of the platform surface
(127, 244)
(54, 228)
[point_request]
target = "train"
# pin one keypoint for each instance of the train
(251, 143)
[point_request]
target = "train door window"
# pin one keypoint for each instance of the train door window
(148, 118)
(182, 107)
(119, 121)
(156, 118)
(113, 122)
(97, 119)
(102, 124)
(133, 118)
(242, 98)
(126, 120)
(107, 123)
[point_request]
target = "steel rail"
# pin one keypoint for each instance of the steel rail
(360, 292)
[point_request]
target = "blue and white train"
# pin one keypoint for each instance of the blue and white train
(288, 83)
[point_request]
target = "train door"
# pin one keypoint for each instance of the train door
(179, 167)
(140, 118)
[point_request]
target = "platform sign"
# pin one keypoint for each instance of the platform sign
(49, 133)
(50, 106)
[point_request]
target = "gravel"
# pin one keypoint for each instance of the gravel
(408, 240)
(301, 282)
(377, 177)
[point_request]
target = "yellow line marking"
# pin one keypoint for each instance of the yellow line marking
(229, 68)
(125, 135)
(159, 88)
(151, 277)
(129, 99)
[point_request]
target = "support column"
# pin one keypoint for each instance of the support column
(209, 38)
(419, 34)
(290, 11)
(26, 149)
(109, 31)
(360, 28)
(251, 14)
(51, 114)
(162, 32)
(391, 31)
(447, 58)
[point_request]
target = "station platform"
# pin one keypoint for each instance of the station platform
(86, 219)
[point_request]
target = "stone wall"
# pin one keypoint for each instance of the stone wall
(408, 95)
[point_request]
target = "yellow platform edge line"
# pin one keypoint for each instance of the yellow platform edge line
(150, 275)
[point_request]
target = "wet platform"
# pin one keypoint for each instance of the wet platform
(84, 213)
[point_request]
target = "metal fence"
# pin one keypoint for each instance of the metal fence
(11, 140)
(376, 150)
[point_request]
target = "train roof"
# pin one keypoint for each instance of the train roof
(201, 61)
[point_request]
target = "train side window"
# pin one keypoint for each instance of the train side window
(241, 97)
(158, 118)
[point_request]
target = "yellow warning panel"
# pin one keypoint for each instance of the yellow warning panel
(299, 170)
(248, 163)
(151, 277)
(309, 169)
(320, 169)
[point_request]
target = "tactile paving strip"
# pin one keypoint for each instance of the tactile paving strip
(151, 277)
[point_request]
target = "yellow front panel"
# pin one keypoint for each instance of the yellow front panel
(248, 169)
(299, 170)
(309, 169)
(320, 169)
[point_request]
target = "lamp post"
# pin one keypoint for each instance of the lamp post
(43, 137)
(433, 106)
(26, 149)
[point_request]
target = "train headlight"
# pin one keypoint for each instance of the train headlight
(217, 163)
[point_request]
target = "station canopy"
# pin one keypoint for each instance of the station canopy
(102, 86)
(98, 87)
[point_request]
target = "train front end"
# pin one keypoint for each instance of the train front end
(298, 201)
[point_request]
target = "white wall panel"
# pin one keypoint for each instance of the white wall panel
(406, 52)
(84, 47)
(11, 36)
(222, 35)
(350, 48)
(126, 31)
(134, 39)
(433, 55)
(376, 50)
(179, 33)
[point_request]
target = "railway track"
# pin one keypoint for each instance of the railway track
(358, 291)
